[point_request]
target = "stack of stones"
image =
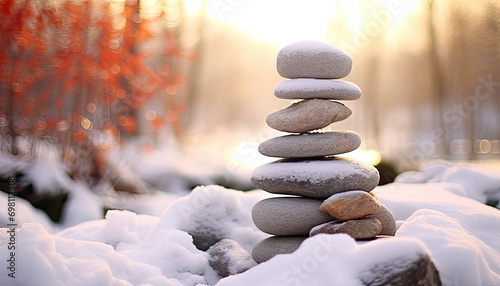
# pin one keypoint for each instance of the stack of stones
(325, 193)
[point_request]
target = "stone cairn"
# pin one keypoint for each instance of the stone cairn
(329, 194)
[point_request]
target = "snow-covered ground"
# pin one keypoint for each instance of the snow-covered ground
(440, 211)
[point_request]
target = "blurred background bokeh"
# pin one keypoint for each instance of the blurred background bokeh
(104, 87)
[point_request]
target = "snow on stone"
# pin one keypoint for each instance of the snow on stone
(312, 171)
(309, 47)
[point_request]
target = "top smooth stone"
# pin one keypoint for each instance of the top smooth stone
(313, 59)
(305, 88)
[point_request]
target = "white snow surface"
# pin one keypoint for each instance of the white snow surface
(312, 170)
(311, 47)
(443, 216)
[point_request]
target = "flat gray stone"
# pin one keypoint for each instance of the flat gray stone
(313, 59)
(362, 228)
(318, 178)
(274, 245)
(308, 115)
(387, 219)
(288, 215)
(227, 257)
(310, 144)
(351, 205)
(305, 88)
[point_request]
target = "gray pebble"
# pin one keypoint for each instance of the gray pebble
(308, 115)
(274, 245)
(227, 257)
(288, 215)
(310, 144)
(318, 178)
(304, 88)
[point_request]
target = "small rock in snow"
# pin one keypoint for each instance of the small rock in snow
(227, 257)
(413, 270)
(203, 241)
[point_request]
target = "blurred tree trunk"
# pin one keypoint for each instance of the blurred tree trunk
(437, 80)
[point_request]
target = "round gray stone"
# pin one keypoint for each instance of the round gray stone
(313, 59)
(274, 245)
(288, 215)
(304, 88)
(307, 115)
(362, 228)
(310, 144)
(351, 205)
(387, 219)
(318, 178)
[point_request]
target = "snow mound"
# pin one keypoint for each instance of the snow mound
(479, 183)
(461, 256)
(49, 260)
(211, 213)
(460, 233)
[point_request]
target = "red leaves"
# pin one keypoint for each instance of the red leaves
(56, 56)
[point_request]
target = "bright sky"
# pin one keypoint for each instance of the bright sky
(283, 21)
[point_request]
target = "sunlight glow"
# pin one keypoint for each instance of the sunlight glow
(281, 22)
(368, 156)
(278, 22)
(246, 156)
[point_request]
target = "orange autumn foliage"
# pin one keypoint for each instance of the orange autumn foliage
(59, 57)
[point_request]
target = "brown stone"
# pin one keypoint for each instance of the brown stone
(387, 219)
(362, 228)
(351, 205)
